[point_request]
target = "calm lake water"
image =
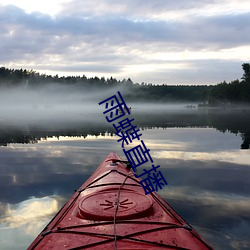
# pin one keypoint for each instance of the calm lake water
(203, 154)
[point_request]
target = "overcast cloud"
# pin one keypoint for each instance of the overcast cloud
(160, 41)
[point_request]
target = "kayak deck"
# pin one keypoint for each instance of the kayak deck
(111, 211)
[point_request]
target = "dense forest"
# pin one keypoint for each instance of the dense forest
(234, 92)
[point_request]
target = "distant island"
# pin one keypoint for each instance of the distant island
(231, 94)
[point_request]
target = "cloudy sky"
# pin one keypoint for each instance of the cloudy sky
(157, 41)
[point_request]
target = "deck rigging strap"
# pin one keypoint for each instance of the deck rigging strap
(117, 207)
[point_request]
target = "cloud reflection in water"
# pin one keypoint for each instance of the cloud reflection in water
(208, 180)
(234, 156)
(25, 220)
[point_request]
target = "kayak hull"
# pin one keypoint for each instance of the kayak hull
(111, 211)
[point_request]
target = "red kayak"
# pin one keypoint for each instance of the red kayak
(111, 211)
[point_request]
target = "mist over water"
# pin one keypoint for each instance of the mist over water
(57, 103)
(59, 107)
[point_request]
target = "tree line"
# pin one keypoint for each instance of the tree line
(236, 91)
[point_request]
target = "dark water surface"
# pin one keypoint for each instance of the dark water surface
(199, 152)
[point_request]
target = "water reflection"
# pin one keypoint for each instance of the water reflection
(226, 216)
(20, 222)
(16, 215)
(199, 154)
(234, 121)
(236, 157)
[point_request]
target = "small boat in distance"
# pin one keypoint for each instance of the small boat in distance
(111, 211)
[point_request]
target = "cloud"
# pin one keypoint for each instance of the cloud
(202, 31)
(148, 10)
(115, 38)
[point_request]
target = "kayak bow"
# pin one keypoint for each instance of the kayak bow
(111, 211)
